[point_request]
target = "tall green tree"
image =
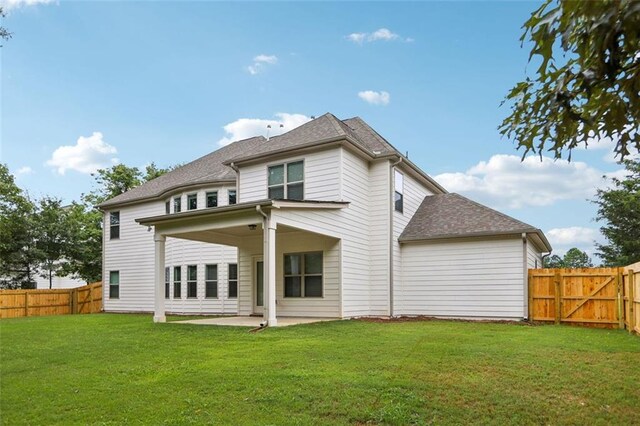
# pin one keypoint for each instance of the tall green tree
(587, 84)
(619, 209)
(53, 238)
(573, 258)
(18, 260)
(83, 257)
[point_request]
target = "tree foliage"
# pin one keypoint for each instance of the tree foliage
(619, 208)
(588, 83)
(53, 232)
(573, 258)
(4, 32)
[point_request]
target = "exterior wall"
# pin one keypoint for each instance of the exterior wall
(58, 282)
(478, 279)
(379, 234)
(133, 255)
(413, 196)
(327, 306)
(321, 177)
(534, 257)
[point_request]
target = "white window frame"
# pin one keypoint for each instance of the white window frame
(285, 182)
(208, 281)
(190, 197)
(303, 275)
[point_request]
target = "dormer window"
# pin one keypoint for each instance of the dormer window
(286, 181)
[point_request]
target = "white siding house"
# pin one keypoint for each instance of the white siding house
(325, 220)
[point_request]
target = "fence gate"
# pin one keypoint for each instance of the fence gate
(587, 296)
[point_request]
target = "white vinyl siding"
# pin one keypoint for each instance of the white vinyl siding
(321, 178)
(476, 279)
(534, 257)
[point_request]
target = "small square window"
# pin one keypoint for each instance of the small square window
(232, 196)
(192, 201)
(212, 199)
(177, 204)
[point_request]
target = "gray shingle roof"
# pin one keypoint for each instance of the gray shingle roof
(454, 216)
(214, 167)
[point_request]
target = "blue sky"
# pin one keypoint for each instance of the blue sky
(88, 84)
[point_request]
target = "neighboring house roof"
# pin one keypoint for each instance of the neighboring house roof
(451, 215)
(215, 167)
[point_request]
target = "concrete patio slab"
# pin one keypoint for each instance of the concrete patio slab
(253, 321)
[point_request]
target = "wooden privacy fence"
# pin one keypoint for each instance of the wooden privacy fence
(593, 297)
(27, 303)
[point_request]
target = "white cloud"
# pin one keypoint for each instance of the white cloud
(86, 156)
(375, 98)
(8, 5)
(505, 181)
(260, 62)
(382, 34)
(244, 128)
(25, 170)
(572, 236)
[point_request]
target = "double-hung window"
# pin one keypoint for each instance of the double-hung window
(177, 282)
(192, 281)
(114, 284)
(398, 183)
(303, 274)
(211, 281)
(114, 229)
(212, 199)
(286, 181)
(177, 204)
(192, 201)
(166, 282)
(233, 281)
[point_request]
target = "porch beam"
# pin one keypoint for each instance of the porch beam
(159, 312)
(270, 270)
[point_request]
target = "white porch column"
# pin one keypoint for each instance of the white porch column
(269, 255)
(159, 315)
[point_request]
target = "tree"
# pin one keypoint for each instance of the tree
(589, 92)
(4, 33)
(18, 262)
(84, 255)
(573, 258)
(53, 233)
(115, 181)
(619, 208)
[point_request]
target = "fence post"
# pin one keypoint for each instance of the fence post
(620, 301)
(558, 298)
(26, 303)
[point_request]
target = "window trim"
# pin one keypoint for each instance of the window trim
(285, 182)
(229, 281)
(113, 226)
(302, 275)
(399, 209)
(206, 198)
(207, 281)
(114, 286)
(190, 197)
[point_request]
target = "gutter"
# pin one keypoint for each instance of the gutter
(391, 210)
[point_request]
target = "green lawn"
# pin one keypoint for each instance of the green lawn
(113, 369)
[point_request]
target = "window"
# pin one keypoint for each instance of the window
(233, 280)
(114, 220)
(399, 191)
(166, 283)
(114, 284)
(192, 201)
(211, 281)
(303, 275)
(177, 282)
(286, 181)
(212, 199)
(192, 281)
(232, 196)
(177, 204)
(167, 207)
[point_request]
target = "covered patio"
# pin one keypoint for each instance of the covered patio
(261, 286)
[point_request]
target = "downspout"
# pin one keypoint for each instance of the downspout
(391, 210)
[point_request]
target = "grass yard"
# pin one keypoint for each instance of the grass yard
(114, 369)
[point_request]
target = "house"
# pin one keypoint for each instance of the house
(325, 220)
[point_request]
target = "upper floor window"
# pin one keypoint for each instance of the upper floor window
(286, 181)
(192, 201)
(212, 199)
(399, 191)
(167, 207)
(114, 230)
(232, 196)
(303, 275)
(177, 204)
